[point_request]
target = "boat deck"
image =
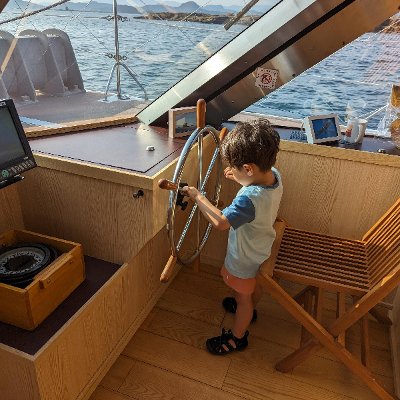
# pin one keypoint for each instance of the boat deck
(54, 111)
(167, 359)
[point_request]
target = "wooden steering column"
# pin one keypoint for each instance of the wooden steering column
(175, 197)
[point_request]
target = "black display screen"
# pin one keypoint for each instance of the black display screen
(10, 145)
(15, 153)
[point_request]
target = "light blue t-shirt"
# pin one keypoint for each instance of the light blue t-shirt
(251, 215)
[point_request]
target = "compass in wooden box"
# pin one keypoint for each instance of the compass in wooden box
(37, 273)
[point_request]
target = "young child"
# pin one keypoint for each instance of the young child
(250, 151)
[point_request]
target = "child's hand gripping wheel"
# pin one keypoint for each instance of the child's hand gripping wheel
(166, 184)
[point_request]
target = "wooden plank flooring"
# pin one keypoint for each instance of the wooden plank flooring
(166, 358)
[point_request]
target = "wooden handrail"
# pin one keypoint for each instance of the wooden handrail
(201, 113)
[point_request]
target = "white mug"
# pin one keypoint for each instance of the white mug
(358, 130)
(362, 127)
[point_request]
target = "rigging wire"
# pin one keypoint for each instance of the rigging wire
(92, 34)
(374, 112)
(187, 28)
(25, 15)
(240, 14)
(168, 24)
(76, 16)
(17, 29)
(10, 50)
(23, 11)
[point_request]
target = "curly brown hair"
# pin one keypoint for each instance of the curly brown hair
(253, 142)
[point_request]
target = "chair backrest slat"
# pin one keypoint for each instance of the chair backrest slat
(385, 241)
(382, 244)
(384, 266)
(376, 229)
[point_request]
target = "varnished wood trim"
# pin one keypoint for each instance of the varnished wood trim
(340, 154)
(94, 171)
(77, 126)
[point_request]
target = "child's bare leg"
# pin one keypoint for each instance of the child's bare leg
(244, 314)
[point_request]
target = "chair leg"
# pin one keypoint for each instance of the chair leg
(319, 304)
(340, 310)
(365, 353)
(380, 317)
(299, 297)
(364, 337)
(308, 306)
(297, 357)
(323, 336)
(308, 347)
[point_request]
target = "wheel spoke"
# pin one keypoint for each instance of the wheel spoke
(210, 167)
(186, 227)
(200, 184)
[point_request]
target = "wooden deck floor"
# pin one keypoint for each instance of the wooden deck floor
(166, 359)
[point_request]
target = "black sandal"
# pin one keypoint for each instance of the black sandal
(220, 345)
(230, 305)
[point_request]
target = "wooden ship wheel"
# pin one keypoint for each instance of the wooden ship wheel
(207, 179)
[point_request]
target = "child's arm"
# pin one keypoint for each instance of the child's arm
(211, 213)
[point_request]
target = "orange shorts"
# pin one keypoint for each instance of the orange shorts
(240, 285)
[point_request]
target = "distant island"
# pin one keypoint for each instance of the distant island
(189, 7)
(203, 18)
(188, 11)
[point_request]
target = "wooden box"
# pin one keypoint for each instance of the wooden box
(28, 307)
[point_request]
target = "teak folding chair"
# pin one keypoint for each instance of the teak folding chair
(367, 269)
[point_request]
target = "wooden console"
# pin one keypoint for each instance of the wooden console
(66, 357)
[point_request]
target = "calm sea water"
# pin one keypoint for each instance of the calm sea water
(161, 53)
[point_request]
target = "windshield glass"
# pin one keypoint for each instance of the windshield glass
(73, 61)
(356, 80)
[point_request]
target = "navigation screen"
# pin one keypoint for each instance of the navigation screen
(10, 145)
(325, 128)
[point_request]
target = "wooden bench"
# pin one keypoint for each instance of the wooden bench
(367, 269)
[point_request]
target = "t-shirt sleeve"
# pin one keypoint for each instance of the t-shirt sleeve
(240, 212)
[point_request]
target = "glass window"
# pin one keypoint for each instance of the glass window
(63, 68)
(357, 78)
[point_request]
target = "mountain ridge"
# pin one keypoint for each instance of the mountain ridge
(102, 6)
